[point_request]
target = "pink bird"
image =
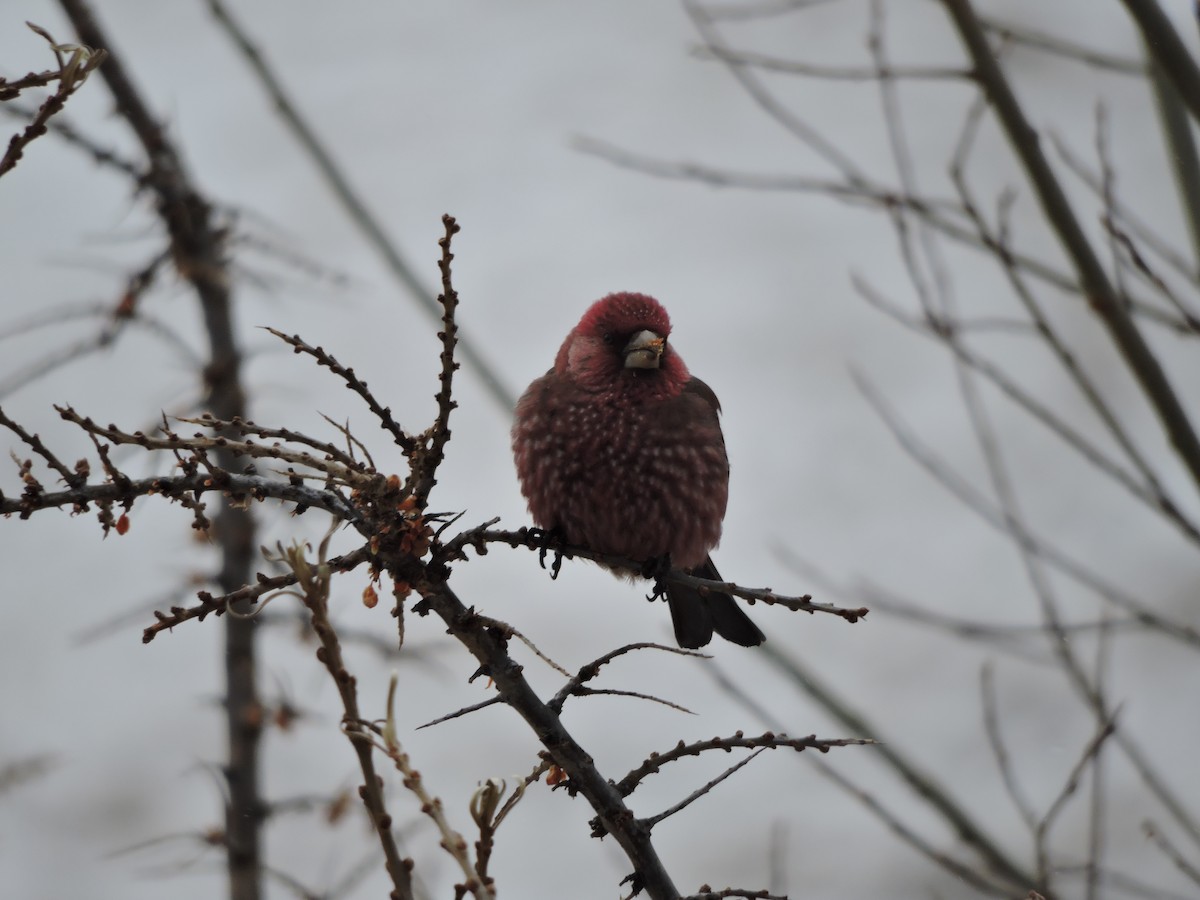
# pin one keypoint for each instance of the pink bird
(619, 449)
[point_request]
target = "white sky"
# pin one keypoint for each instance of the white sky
(471, 108)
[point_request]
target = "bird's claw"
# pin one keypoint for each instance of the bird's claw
(655, 568)
(547, 540)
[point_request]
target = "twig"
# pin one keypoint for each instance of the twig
(691, 798)
(1190, 869)
(353, 383)
(452, 842)
(991, 722)
(1061, 48)
(961, 488)
(945, 332)
(964, 827)
(1181, 152)
(1136, 225)
(586, 673)
(1090, 752)
(432, 446)
(198, 254)
(741, 10)
(833, 73)
(72, 73)
(240, 488)
(767, 741)
(104, 156)
(1113, 313)
(1169, 51)
(242, 597)
(946, 216)
(618, 820)
(75, 478)
(466, 710)
(454, 548)
(352, 202)
(763, 98)
(285, 434)
(314, 582)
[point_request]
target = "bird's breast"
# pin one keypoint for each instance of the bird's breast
(632, 480)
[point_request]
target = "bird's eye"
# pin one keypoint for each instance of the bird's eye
(610, 338)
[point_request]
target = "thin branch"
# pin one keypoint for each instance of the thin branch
(586, 673)
(832, 73)
(72, 73)
(805, 133)
(243, 597)
(1180, 151)
(1112, 309)
(767, 741)
(1062, 48)
(1188, 868)
(103, 156)
(353, 204)
(432, 446)
(991, 721)
(73, 478)
(314, 581)
(1170, 54)
(974, 500)
(945, 332)
(452, 842)
(477, 537)
(1086, 759)
(966, 829)
(490, 649)
(695, 795)
(945, 216)
(383, 413)
(1136, 225)
(198, 252)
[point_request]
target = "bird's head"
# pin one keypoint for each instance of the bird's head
(620, 345)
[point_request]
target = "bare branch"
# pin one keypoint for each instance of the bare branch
(768, 741)
(1169, 51)
(1112, 309)
(313, 581)
(700, 791)
(432, 446)
(352, 202)
(353, 383)
(832, 73)
(477, 537)
(1061, 48)
(72, 73)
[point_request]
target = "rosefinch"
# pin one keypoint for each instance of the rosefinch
(619, 449)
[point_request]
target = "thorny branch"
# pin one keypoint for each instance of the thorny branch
(75, 63)
(401, 541)
(478, 538)
(197, 246)
(314, 583)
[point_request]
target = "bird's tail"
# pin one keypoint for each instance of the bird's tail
(696, 615)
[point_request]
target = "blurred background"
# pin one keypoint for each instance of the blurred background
(507, 116)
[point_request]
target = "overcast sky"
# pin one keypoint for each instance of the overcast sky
(477, 109)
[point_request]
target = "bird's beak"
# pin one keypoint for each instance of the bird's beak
(644, 350)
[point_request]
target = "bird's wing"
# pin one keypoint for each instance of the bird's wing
(695, 386)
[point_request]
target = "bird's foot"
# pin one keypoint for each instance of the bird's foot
(655, 568)
(548, 540)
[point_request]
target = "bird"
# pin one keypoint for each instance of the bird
(619, 449)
